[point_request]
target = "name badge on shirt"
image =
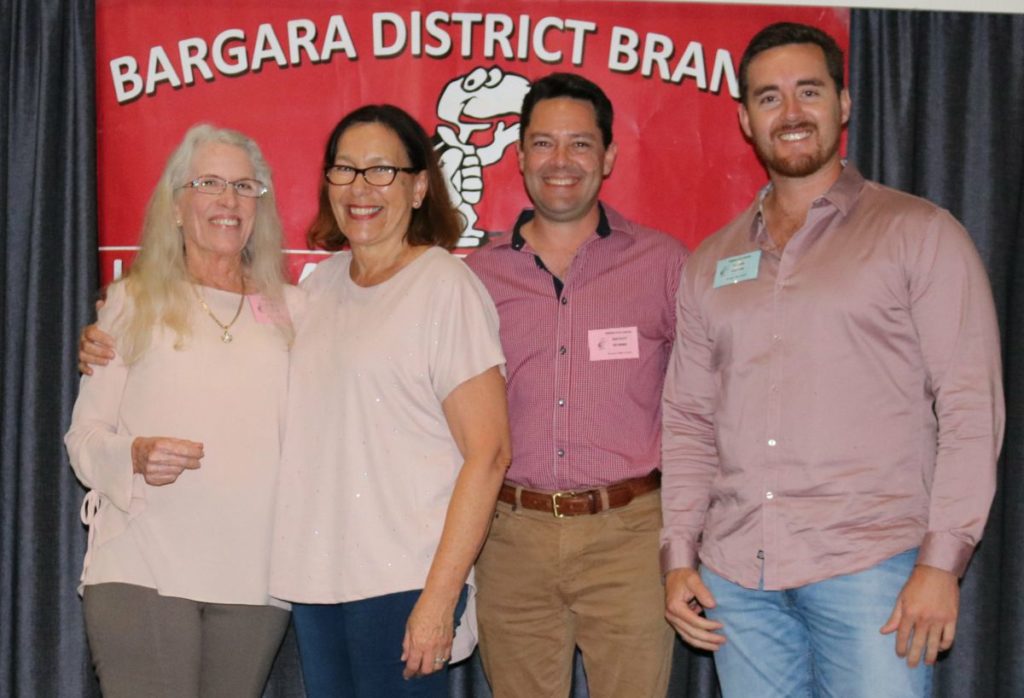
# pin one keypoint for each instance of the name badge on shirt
(265, 311)
(614, 343)
(732, 270)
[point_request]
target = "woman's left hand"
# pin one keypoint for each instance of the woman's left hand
(427, 646)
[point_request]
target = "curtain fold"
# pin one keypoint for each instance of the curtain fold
(939, 112)
(48, 233)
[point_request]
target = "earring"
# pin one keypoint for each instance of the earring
(178, 223)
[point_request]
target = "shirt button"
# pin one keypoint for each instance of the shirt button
(565, 300)
(561, 452)
(561, 349)
(771, 442)
(776, 337)
(775, 388)
(769, 495)
(561, 402)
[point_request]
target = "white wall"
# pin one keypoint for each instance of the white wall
(1009, 6)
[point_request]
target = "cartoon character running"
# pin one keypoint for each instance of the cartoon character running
(473, 104)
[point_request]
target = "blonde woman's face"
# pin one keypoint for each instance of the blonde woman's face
(216, 225)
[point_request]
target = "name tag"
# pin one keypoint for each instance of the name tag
(265, 311)
(614, 343)
(732, 270)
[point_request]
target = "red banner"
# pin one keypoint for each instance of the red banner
(285, 72)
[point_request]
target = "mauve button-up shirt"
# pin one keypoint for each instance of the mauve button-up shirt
(836, 403)
(586, 355)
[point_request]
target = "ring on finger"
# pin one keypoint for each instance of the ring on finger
(440, 661)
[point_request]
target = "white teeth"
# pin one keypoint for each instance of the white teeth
(560, 181)
(794, 136)
(225, 221)
(363, 210)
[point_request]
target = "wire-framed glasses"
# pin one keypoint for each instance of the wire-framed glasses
(212, 184)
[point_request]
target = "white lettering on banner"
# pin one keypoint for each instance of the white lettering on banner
(434, 34)
(624, 56)
(127, 82)
(160, 70)
(337, 38)
(230, 56)
(193, 55)
(398, 45)
(267, 46)
(392, 35)
(301, 33)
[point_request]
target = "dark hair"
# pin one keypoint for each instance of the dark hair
(783, 33)
(574, 87)
(435, 222)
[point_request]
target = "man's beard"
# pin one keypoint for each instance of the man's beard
(797, 165)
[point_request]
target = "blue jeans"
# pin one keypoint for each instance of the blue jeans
(817, 640)
(354, 649)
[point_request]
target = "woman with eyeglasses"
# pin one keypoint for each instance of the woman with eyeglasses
(397, 434)
(178, 438)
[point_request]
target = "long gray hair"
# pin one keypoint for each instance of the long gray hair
(157, 283)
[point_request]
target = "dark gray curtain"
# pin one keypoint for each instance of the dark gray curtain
(48, 234)
(939, 112)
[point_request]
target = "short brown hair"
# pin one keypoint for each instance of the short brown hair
(436, 222)
(783, 34)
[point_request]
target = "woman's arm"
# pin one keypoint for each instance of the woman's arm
(105, 460)
(477, 416)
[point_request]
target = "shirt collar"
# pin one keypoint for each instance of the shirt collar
(842, 194)
(604, 228)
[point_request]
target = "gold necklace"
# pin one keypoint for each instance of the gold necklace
(227, 336)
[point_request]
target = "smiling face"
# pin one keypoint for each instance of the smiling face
(216, 225)
(369, 215)
(793, 114)
(563, 159)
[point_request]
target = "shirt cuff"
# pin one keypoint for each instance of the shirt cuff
(676, 554)
(946, 552)
(115, 478)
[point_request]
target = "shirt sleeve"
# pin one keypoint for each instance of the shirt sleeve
(953, 313)
(689, 451)
(100, 456)
(673, 281)
(465, 339)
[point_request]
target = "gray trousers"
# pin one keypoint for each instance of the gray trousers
(144, 644)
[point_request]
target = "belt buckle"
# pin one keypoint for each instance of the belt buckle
(554, 502)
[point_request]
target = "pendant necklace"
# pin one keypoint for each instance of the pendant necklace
(227, 337)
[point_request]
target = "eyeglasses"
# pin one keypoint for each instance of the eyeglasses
(378, 175)
(212, 184)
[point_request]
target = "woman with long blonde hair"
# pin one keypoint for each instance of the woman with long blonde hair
(178, 438)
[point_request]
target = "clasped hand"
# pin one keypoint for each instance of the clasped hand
(161, 459)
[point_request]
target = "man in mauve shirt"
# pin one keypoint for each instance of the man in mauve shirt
(587, 306)
(833, 410)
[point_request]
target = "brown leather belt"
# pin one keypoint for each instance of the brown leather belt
(562, 504)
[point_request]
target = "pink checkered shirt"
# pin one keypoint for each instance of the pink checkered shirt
(581, 420)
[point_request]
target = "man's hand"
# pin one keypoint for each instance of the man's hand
(924, 618)
(685, 597)
(95, 348)
(161, 459)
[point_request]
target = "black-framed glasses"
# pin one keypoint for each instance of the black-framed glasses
(378, 175)
(212, 184)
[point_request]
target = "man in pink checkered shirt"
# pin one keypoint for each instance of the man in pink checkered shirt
(587, 306)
